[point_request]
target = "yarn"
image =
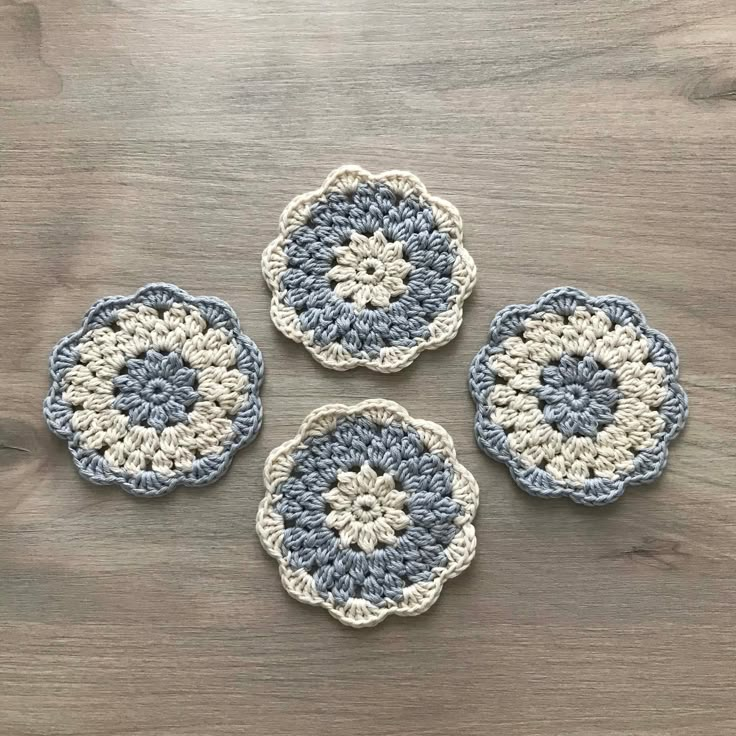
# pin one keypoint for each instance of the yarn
(577, 395)
(368, 512)
(155, 390)
(368, 270)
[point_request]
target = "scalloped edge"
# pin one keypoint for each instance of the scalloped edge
(126, 480)
(480, 384)
(390, 360)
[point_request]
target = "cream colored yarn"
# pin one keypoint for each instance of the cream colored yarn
(367, 508)
(369, 270)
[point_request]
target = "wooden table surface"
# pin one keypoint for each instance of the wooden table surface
(585, 143)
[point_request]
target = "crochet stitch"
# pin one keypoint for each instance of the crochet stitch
(368, 270)
(577, 395)
(368, 512)
(155, 390)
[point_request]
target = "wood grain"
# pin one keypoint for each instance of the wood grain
(589, 144)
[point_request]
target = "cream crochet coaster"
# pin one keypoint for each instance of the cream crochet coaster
(369, 270)
(578, 395)
(368, 512)
(155, 390)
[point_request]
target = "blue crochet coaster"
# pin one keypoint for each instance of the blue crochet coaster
(368, 512)
(155, 390)
(577, 395)
(369, 270)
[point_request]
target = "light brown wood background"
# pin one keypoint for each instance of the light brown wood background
(586, 143)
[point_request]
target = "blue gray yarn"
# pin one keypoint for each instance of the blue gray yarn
(156, 390)
(310, 252)
(577, 395)
(149, 483)
(493, 440)
(379, 576)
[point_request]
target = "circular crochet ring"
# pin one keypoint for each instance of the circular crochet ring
(155, 390)
(368, 512)
(368, 270)
(577, 395)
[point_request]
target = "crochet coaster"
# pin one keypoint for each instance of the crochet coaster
(577, 395)
(369, 270)
(155, 390)
(368, 512)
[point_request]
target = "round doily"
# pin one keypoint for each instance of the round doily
(577, 395)
(155, 390)
(369, 270)
(368, 512)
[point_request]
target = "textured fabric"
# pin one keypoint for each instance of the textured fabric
(577, 395)
(155, 390)
(368, 512)
(324, 308)
(369, 270)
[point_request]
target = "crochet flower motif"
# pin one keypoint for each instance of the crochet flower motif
(368, 512)
(366, 508)
(155, 390)
(369, 270)
(577, 395)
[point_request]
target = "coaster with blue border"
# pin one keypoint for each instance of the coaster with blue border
(577, 395)
(155, 390)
